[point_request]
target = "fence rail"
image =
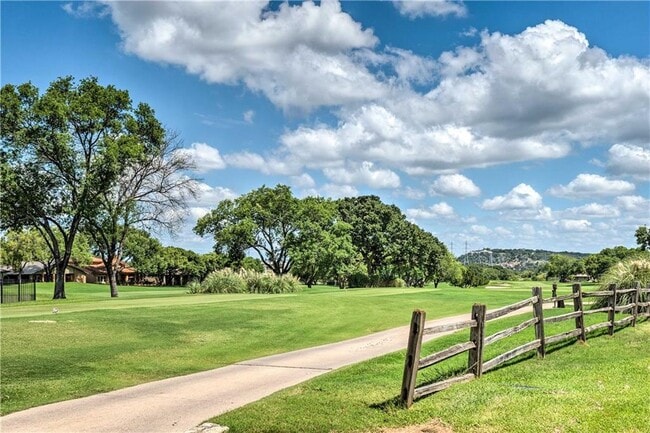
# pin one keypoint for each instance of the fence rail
(640, 307)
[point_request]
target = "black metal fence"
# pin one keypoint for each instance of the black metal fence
(17, 292)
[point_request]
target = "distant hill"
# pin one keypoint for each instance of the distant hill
(515, 259)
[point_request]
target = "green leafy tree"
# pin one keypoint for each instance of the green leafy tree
(262, 220)
(60, 151)
(321, 247)
(642, 235)
(475, 275)
(17, 248)
(142, 252)
(560, 266)
(376, 228)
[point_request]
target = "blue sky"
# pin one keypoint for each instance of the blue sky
(499, 124)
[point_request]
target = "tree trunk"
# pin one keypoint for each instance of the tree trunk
(59, 282)
(112, 281)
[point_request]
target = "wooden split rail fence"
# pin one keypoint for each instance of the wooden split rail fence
(476, 366)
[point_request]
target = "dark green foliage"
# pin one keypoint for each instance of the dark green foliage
(475, 275)
(262, 220)
(642, 235)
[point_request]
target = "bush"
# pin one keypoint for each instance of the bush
(245, 281)
(223, 281)
(193, 287)
(625, 274)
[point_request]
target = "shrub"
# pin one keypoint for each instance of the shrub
(223, 281)
(246, 281)
(193, 287)
(625, 274)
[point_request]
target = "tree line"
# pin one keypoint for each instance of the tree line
(352, 242)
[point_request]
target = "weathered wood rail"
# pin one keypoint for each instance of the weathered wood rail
(476, 366)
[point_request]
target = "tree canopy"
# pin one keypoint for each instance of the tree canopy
(356, 240)
(62, 151)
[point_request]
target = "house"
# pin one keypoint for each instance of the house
(32, 271)
(96, 273)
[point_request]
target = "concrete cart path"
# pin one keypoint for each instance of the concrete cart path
(180, 403)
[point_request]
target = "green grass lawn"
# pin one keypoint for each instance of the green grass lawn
(600, 386)
(96, 344)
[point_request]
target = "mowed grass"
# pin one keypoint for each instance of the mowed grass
(96, 344)
(600, 386)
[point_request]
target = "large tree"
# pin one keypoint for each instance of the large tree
(151, 191)
(262, 220)
(377, 229)
(60, 151)
(322, 248)
(642, 235)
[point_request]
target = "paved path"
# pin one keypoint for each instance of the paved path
(180, 403)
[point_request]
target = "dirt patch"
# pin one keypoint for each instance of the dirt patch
(432, 426)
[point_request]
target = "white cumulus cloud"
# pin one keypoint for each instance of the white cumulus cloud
(204, 156)
(522, 197)
(593, 210)
(630, 160)
(454, 185)
(590, 185)
(363, 174)
(423, 8)
(296, 55)
(573, 225)
(438, 210)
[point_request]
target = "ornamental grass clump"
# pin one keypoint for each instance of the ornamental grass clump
(626, 274)
(246, 281)
(223, 281)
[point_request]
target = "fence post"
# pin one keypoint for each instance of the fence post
(637, 297)
(34, 290)
(476, 336)
(611, 315)
(577, 306)
(560, 303)
(412, 357)
(538, 312)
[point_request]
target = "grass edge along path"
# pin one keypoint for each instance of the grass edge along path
(599, 386)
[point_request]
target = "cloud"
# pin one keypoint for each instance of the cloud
(633, 203)
(454, 185)
(436, 8)
(571, 225)
(266, 165)
(338, 191)
(630, 160)
(593, 210)
(521, 197)
(207, 198)
(438, 210)
(85, 9)
(303, 181)
(249, 115)
(591, 185)
(298, 56)
(363, 174)
(205, 157)
(374, 133)
(412, 193)
(480, 230)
